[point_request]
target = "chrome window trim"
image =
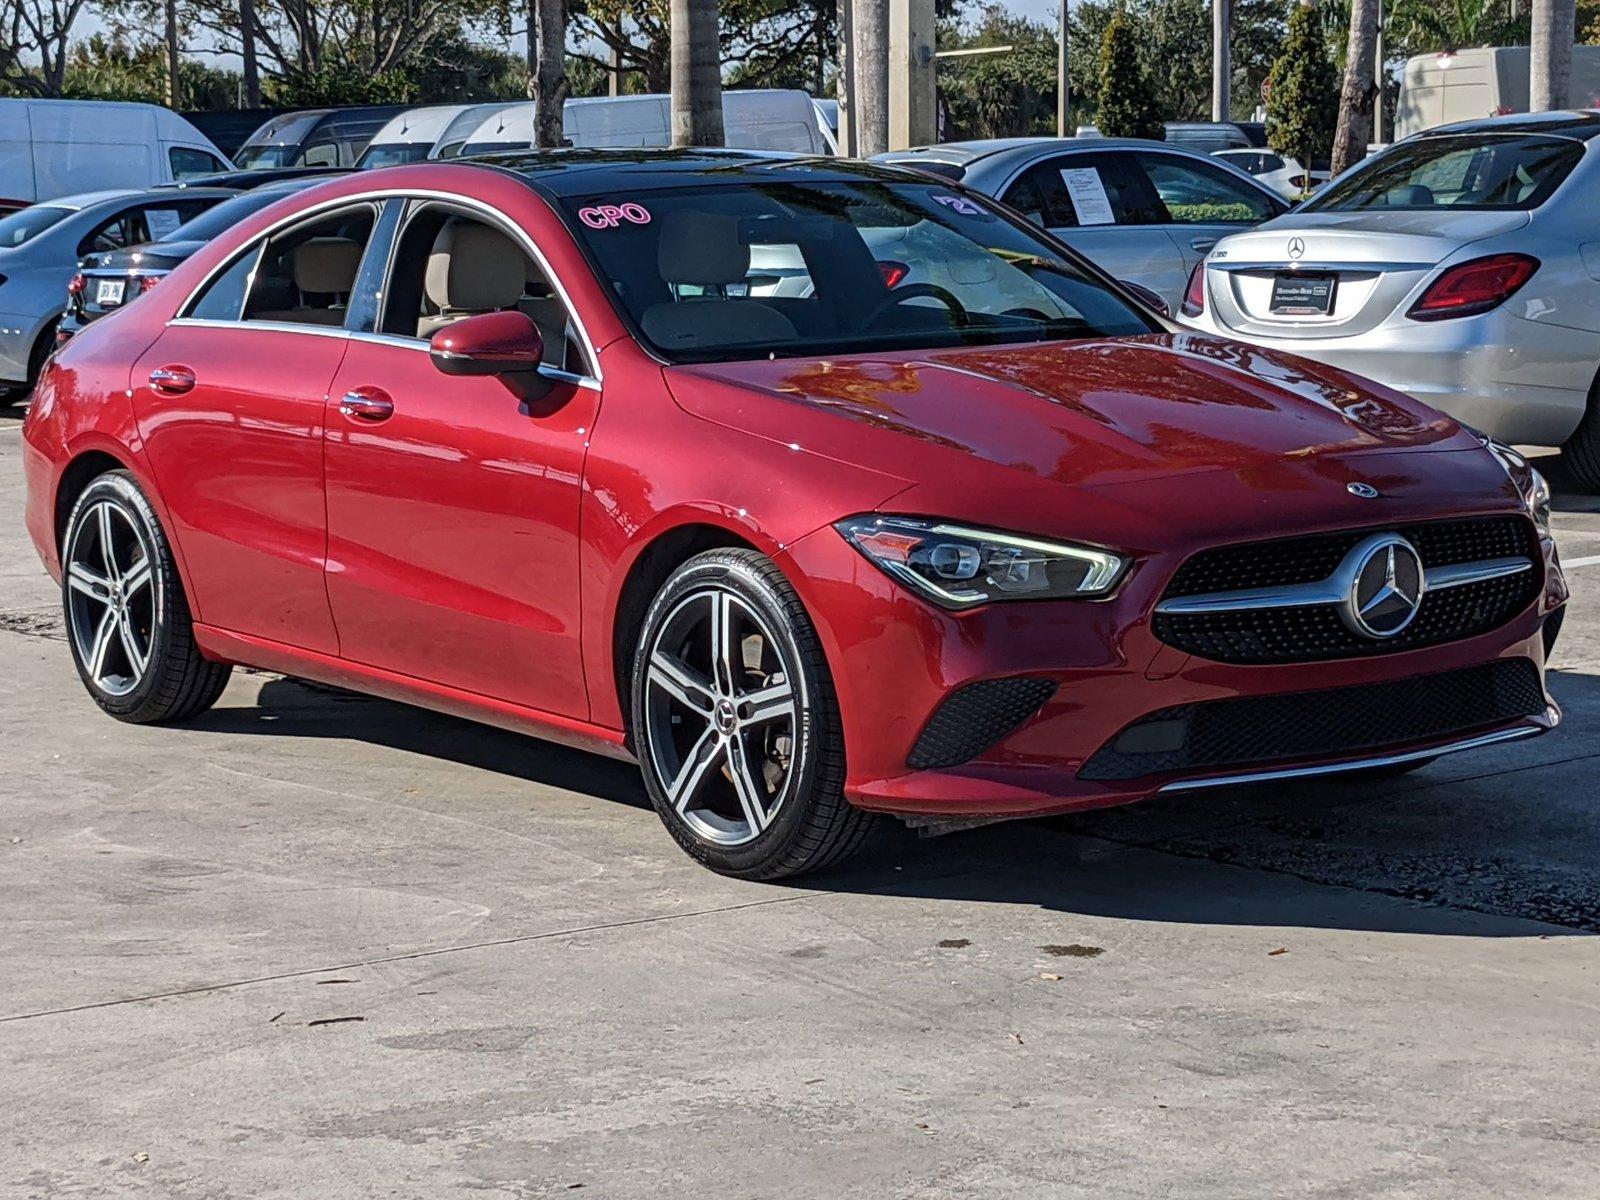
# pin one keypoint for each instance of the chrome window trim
(353, 335)
(378, 195)
(1361, 764)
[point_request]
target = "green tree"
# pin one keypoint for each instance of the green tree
(1425, 26)
(1303, 92)
(1004, 94)
(1127, 107)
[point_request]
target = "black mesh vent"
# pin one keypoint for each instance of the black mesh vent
(975, 717)
(1335, 723)
(1307, 634)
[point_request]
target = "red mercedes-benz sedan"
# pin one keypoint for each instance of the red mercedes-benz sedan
(823, 490)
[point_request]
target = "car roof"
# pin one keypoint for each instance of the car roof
(965, 154)
(576, 172)
(82, 200)
(1580, 124)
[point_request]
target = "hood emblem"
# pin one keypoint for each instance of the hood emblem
(1297, 248)
(1365, 490)
(1386, 586)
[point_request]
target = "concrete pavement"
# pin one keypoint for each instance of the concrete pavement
(318, 945)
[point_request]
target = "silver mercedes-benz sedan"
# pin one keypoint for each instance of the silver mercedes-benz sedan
(1142, 211)
(1461, 266)
(39, 251)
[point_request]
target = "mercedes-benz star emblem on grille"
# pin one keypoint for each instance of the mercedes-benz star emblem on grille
(1386, 586)
(1297, 247)
(1365, 490)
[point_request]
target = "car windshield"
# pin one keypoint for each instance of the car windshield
(226, 215)
(392, 154)
(736, 271)
(261, 158)
(29, 223)
(1508, 172)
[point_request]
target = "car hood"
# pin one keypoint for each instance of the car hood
(1087, 413)
(1206, 435)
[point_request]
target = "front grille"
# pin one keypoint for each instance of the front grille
(1304, 634)
(976, 717)
(1334, 723)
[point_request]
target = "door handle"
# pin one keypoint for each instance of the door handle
(172, 380)
(1203, 245)
(367, 404)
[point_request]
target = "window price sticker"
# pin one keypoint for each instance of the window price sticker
(1088, 196)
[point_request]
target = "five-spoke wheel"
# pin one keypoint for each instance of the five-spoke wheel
(127, 617)
(112, 599)
(735, 723)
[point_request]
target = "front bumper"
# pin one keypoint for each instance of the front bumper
(896, 660)
(1524, 382)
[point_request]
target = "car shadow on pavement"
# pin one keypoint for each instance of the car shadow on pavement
(299, 708)
(1483, 844)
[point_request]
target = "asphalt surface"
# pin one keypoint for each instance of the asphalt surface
(314, 945)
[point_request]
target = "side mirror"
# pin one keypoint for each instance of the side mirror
(1145, 294)
(500, 343)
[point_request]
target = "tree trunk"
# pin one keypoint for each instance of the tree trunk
(1554, 30)
(247, 36)
(872, 77)
(696, 74)
(549, 79)
(845, 79)
(173, 86)
(1063, 76)
(1221, 59)
(1357, 97)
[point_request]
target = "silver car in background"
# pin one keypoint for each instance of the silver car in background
(39, 251)
(1142, 211)
(1461, 266)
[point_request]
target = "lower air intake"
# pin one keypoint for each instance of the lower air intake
(976, 717)
(1334, 723)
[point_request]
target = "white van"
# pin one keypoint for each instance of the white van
(408, 137)
(753, 119)
(51, 148)
(474, 122)
(1467, 85)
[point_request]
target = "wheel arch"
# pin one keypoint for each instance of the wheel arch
(82, 470)
(649, 569)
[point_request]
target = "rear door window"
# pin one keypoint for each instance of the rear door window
(1079, 190)
(1197, 193)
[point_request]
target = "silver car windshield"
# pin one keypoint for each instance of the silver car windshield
(738, 271)
(1495, 172)
(28, 224)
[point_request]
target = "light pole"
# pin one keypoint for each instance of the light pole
(1063, 88)
(1221, 60)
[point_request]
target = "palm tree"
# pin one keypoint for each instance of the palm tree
(1554, 27)
(547, 72)
(696, 74)
(1360, 87)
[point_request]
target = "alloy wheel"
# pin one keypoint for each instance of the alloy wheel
(722, 703)
(113, 602)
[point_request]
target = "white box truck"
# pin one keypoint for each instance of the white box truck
(1464, 85)
(51, 148)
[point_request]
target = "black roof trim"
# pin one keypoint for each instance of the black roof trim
(590, 172)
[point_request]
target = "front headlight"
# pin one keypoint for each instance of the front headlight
(1532, 485)
(959, 567)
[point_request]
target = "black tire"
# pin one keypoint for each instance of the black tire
(138, 591)
(794, 761)
(1581, 451)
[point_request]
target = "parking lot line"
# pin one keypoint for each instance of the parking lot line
(1592, 560)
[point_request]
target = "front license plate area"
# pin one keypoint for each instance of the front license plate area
(1302, 295)
(108, 293)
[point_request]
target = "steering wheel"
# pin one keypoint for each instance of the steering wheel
(911, 291)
